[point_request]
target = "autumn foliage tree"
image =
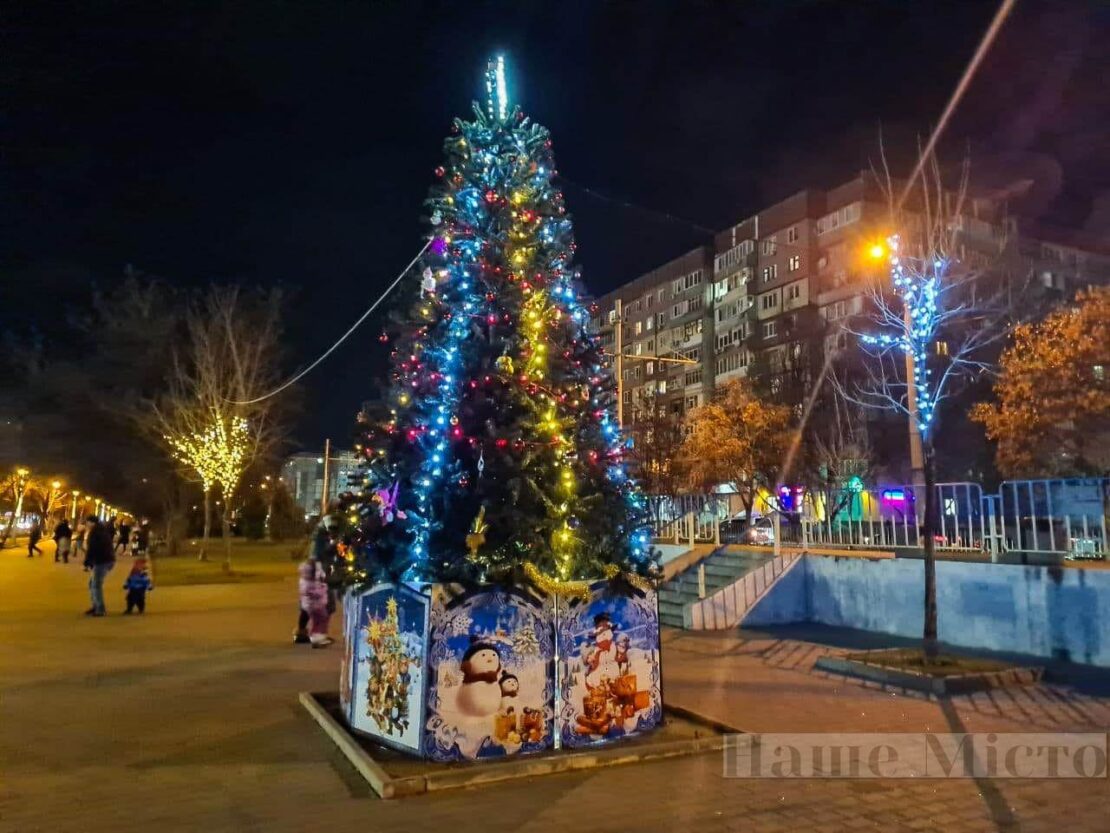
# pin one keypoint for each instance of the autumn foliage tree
(1052, 414)
(737, 438)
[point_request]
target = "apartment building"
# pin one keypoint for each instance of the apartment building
(666, 313)
(773, 293)
(303, 476)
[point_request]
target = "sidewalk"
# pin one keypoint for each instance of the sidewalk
(186, 720)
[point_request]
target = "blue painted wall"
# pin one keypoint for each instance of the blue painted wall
(1043, 611)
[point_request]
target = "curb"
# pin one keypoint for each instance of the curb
(388, 787)
(940, 686)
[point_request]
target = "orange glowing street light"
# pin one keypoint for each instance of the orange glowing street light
(877, 251)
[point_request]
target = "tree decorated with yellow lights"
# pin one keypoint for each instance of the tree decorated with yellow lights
(218, 452)
(500, 409)
(214, 418)
(1052, 415)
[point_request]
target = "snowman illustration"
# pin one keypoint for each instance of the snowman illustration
(479, 695)
(600, 658)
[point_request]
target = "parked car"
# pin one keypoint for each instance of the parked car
(738, 530)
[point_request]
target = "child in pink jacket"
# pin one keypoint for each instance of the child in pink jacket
(313, 588)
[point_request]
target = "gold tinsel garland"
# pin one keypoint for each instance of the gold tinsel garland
(579, 589)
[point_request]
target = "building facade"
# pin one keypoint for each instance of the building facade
(772, 294)
(303, 476)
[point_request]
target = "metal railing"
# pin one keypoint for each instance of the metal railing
(687, 519)
(1055, 518)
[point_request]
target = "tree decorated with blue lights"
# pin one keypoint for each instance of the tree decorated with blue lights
(497, 458)
(930, 328)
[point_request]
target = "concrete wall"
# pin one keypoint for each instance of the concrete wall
(1043, 611)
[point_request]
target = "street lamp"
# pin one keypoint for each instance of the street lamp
(73, 511)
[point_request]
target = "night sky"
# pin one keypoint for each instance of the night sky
(293, 142)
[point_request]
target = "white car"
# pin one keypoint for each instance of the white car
(762, 531)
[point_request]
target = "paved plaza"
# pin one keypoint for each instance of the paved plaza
(186, 719)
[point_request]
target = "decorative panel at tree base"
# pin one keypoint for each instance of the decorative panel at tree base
(385, 655)
(609, 674)
(456, 675)
(491, 663)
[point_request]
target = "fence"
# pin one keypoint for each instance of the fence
(688, 519)
(1061, 518)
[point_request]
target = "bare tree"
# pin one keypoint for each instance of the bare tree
(14, 489)
(214, 417)
(838, 451)
(928, 330)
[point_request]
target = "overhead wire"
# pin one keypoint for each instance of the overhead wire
(341, 339)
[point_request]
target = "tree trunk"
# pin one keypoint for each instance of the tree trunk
(225, 520)
(7, 529)
(207, 525)
(929, 633)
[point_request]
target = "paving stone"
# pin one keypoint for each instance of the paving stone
(186, 719)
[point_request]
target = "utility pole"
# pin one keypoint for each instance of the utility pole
(619, 351)
(917, 458)
(327, 469)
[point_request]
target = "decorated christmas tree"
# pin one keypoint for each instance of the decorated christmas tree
(497, 458)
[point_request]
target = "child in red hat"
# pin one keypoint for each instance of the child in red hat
(137, 584)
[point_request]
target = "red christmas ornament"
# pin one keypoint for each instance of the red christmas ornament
(501, 442)
(384, 338)
(491, 196)
(440, 171)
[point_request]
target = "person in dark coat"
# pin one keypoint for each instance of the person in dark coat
(124, 539)
(100, 558)
(62, 536)
(142, 539)
(33, 540)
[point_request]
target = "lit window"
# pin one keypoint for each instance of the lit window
(794, 263)
(792, 234)
(942, 348)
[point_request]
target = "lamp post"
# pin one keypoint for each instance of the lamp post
(73, 510)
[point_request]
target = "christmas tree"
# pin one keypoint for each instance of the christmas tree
(498, 459)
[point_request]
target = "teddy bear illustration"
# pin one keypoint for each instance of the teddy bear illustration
(479, 695)
(531, 725)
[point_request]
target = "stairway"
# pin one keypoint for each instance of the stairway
(722, 568)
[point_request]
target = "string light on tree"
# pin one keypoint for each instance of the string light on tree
(918, 290)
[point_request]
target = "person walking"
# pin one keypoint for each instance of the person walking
(100, 558)
(33, 539)
(322, 551)
(312, 585)
(79, 540)
(142, 539)
(62, 537)
(124, 539)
